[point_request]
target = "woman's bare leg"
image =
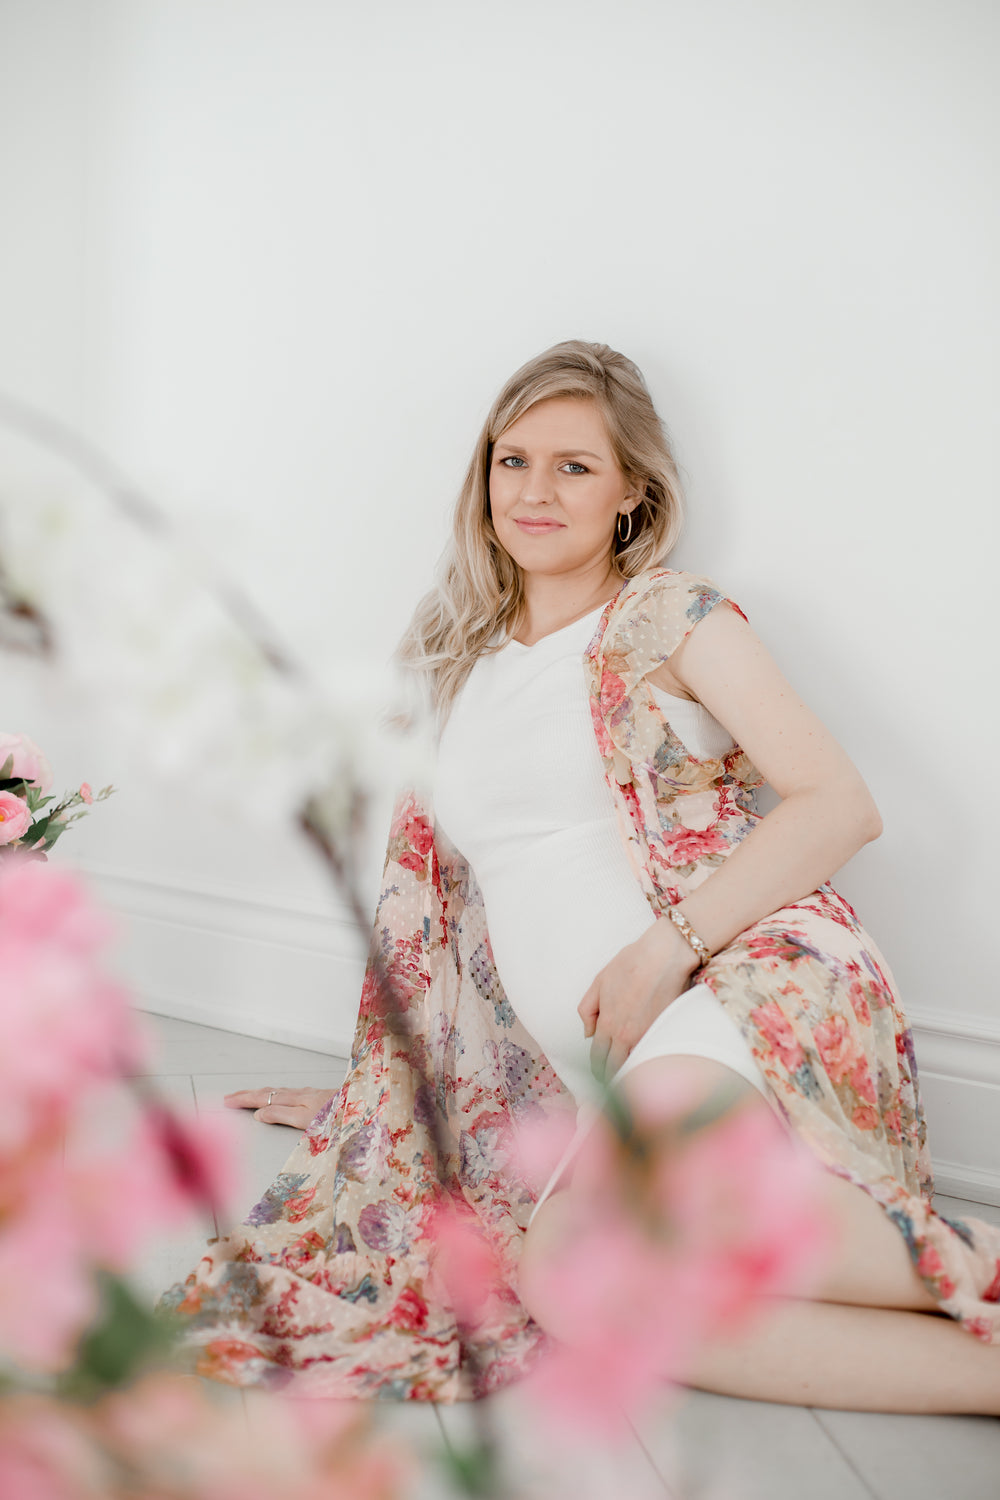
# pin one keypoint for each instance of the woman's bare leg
(872, 1340)
(855, 1359)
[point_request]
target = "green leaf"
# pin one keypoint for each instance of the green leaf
(473, 1471)
(127, 1336)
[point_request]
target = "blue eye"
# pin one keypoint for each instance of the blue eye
(515, 458)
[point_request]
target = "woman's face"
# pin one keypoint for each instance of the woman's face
(556, 489)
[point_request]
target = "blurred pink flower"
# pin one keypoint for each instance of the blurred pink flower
(165, 1435)
(47, 1295)
(192, 1162)
(539, 1145)
(745, 1198)
(674, 1241)
(15, 818)
(623, 1331)
(44, 1452)
(186, 1441)
(86, 792)
(63, 1023)
(121, 1199)
(30, 764)
(464, 1258)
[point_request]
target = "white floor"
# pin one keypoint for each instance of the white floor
(705, 1448)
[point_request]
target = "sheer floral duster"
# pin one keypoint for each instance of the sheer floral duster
(331, 1283)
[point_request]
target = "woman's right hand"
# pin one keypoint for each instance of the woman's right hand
(298, 1107)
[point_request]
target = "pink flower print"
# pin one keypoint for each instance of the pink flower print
(301, 1251)
(612, 693)
(604, 744)
(86, 792)
(686, 845)
(409, 1311)
(837, 1048)
(859, 1004)
(865, 1117)
(773, 1025)
(931, 1267)
(861, 1081)
(992, 1292)
(298, 1206)
(419, 835)
(15, 819)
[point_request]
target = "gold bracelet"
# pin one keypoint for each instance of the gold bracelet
(687, 932)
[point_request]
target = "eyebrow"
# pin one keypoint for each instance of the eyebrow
(563, 453)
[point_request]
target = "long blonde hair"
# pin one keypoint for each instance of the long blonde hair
(477, 604)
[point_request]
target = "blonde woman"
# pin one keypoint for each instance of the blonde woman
(596, 892)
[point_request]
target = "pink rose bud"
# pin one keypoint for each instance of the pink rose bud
(86, 793)
(30, 763)
(15, 819)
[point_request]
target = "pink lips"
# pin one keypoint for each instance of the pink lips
(534, 528)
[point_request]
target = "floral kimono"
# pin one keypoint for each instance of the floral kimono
(331, 1282)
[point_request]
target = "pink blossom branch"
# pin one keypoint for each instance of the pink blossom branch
(60, 440)
(57, 438)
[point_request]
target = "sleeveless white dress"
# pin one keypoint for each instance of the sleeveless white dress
(520, 791)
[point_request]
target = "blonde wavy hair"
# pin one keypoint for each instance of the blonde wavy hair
(478, 602)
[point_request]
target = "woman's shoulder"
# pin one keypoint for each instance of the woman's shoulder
(652, 615)
(671, 592)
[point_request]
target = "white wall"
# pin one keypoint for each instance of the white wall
(315, 239)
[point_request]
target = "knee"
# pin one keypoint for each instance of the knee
(666, 1087)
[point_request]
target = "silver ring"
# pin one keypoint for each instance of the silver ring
(270, 1096)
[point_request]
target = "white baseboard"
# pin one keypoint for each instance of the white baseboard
(287, 973)
(957, 1181)
(292, 973)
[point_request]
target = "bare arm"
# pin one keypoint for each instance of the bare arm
(826, 814)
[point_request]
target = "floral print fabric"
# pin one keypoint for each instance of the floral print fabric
(331, 1281)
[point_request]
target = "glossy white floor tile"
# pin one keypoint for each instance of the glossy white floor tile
(539, 1462)
(747, 1450)
(958, 1208)
(186, 1047)
(920, 1458)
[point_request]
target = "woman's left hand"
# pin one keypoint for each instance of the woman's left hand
(631, 991)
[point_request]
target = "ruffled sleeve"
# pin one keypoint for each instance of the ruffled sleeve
(644, 626)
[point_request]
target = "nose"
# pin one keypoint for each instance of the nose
(538, 487)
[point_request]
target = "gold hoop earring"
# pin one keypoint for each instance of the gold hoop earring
(628, 516)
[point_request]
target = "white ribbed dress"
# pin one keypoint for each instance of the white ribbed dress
(520, 791)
